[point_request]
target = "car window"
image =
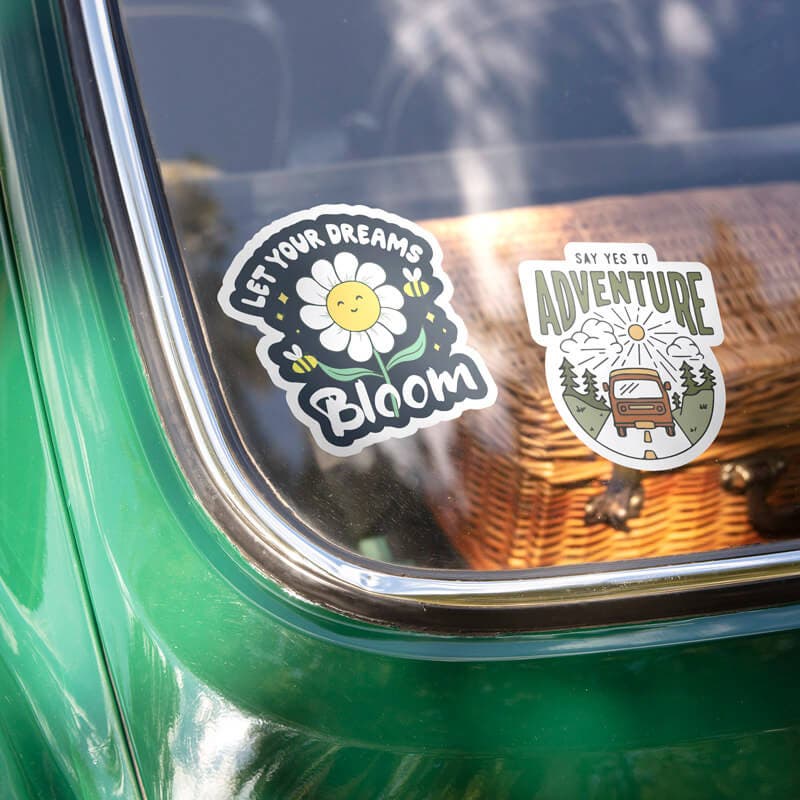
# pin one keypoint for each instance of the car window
(375, 205)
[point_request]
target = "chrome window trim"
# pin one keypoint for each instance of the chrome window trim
(371, 583)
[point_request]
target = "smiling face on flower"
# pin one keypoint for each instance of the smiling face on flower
(349, 303)
(353, 305)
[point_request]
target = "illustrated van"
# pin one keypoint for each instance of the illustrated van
(639, 400)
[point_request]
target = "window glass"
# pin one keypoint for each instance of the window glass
(504, 131)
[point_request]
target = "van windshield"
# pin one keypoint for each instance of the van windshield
(637, 389)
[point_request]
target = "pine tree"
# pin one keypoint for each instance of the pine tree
(687, 376)
(569, 379)
(707, 375)
(591, 385)
(676, 401)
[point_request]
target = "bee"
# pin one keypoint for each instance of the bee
(301, 363)
(415, 287)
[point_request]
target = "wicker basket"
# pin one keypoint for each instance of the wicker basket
(525, 477)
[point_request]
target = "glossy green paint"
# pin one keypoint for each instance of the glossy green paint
(230, 687)
(60, 734)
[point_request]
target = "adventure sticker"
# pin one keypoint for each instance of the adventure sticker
(629, 361)
(357, 327)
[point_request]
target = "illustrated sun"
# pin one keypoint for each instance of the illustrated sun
(639, 338)
(636, 332)
(644, 339)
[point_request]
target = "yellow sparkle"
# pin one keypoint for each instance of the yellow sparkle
(436, 347)
(282, 297)
(279, 316)
(430, 317)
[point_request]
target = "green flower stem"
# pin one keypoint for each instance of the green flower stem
(385, 374)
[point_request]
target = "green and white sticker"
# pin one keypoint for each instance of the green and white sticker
(629, 357)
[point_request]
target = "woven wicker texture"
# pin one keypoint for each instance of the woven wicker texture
(525, 476)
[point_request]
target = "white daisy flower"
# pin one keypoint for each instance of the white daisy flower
(351, 306)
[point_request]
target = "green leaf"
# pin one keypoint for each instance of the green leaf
(410, 353)
(349, 374)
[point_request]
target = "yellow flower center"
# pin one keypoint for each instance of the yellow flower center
(353, 306)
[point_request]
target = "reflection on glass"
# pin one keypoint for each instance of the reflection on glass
(507, 130)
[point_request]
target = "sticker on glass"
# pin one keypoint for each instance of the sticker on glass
(629, 361)
(354, 308)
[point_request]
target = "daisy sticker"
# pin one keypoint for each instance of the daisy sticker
(357, 327)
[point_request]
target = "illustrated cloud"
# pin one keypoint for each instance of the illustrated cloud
(595, 334)
(684, 349)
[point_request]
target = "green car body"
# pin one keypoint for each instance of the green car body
(141, 655)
